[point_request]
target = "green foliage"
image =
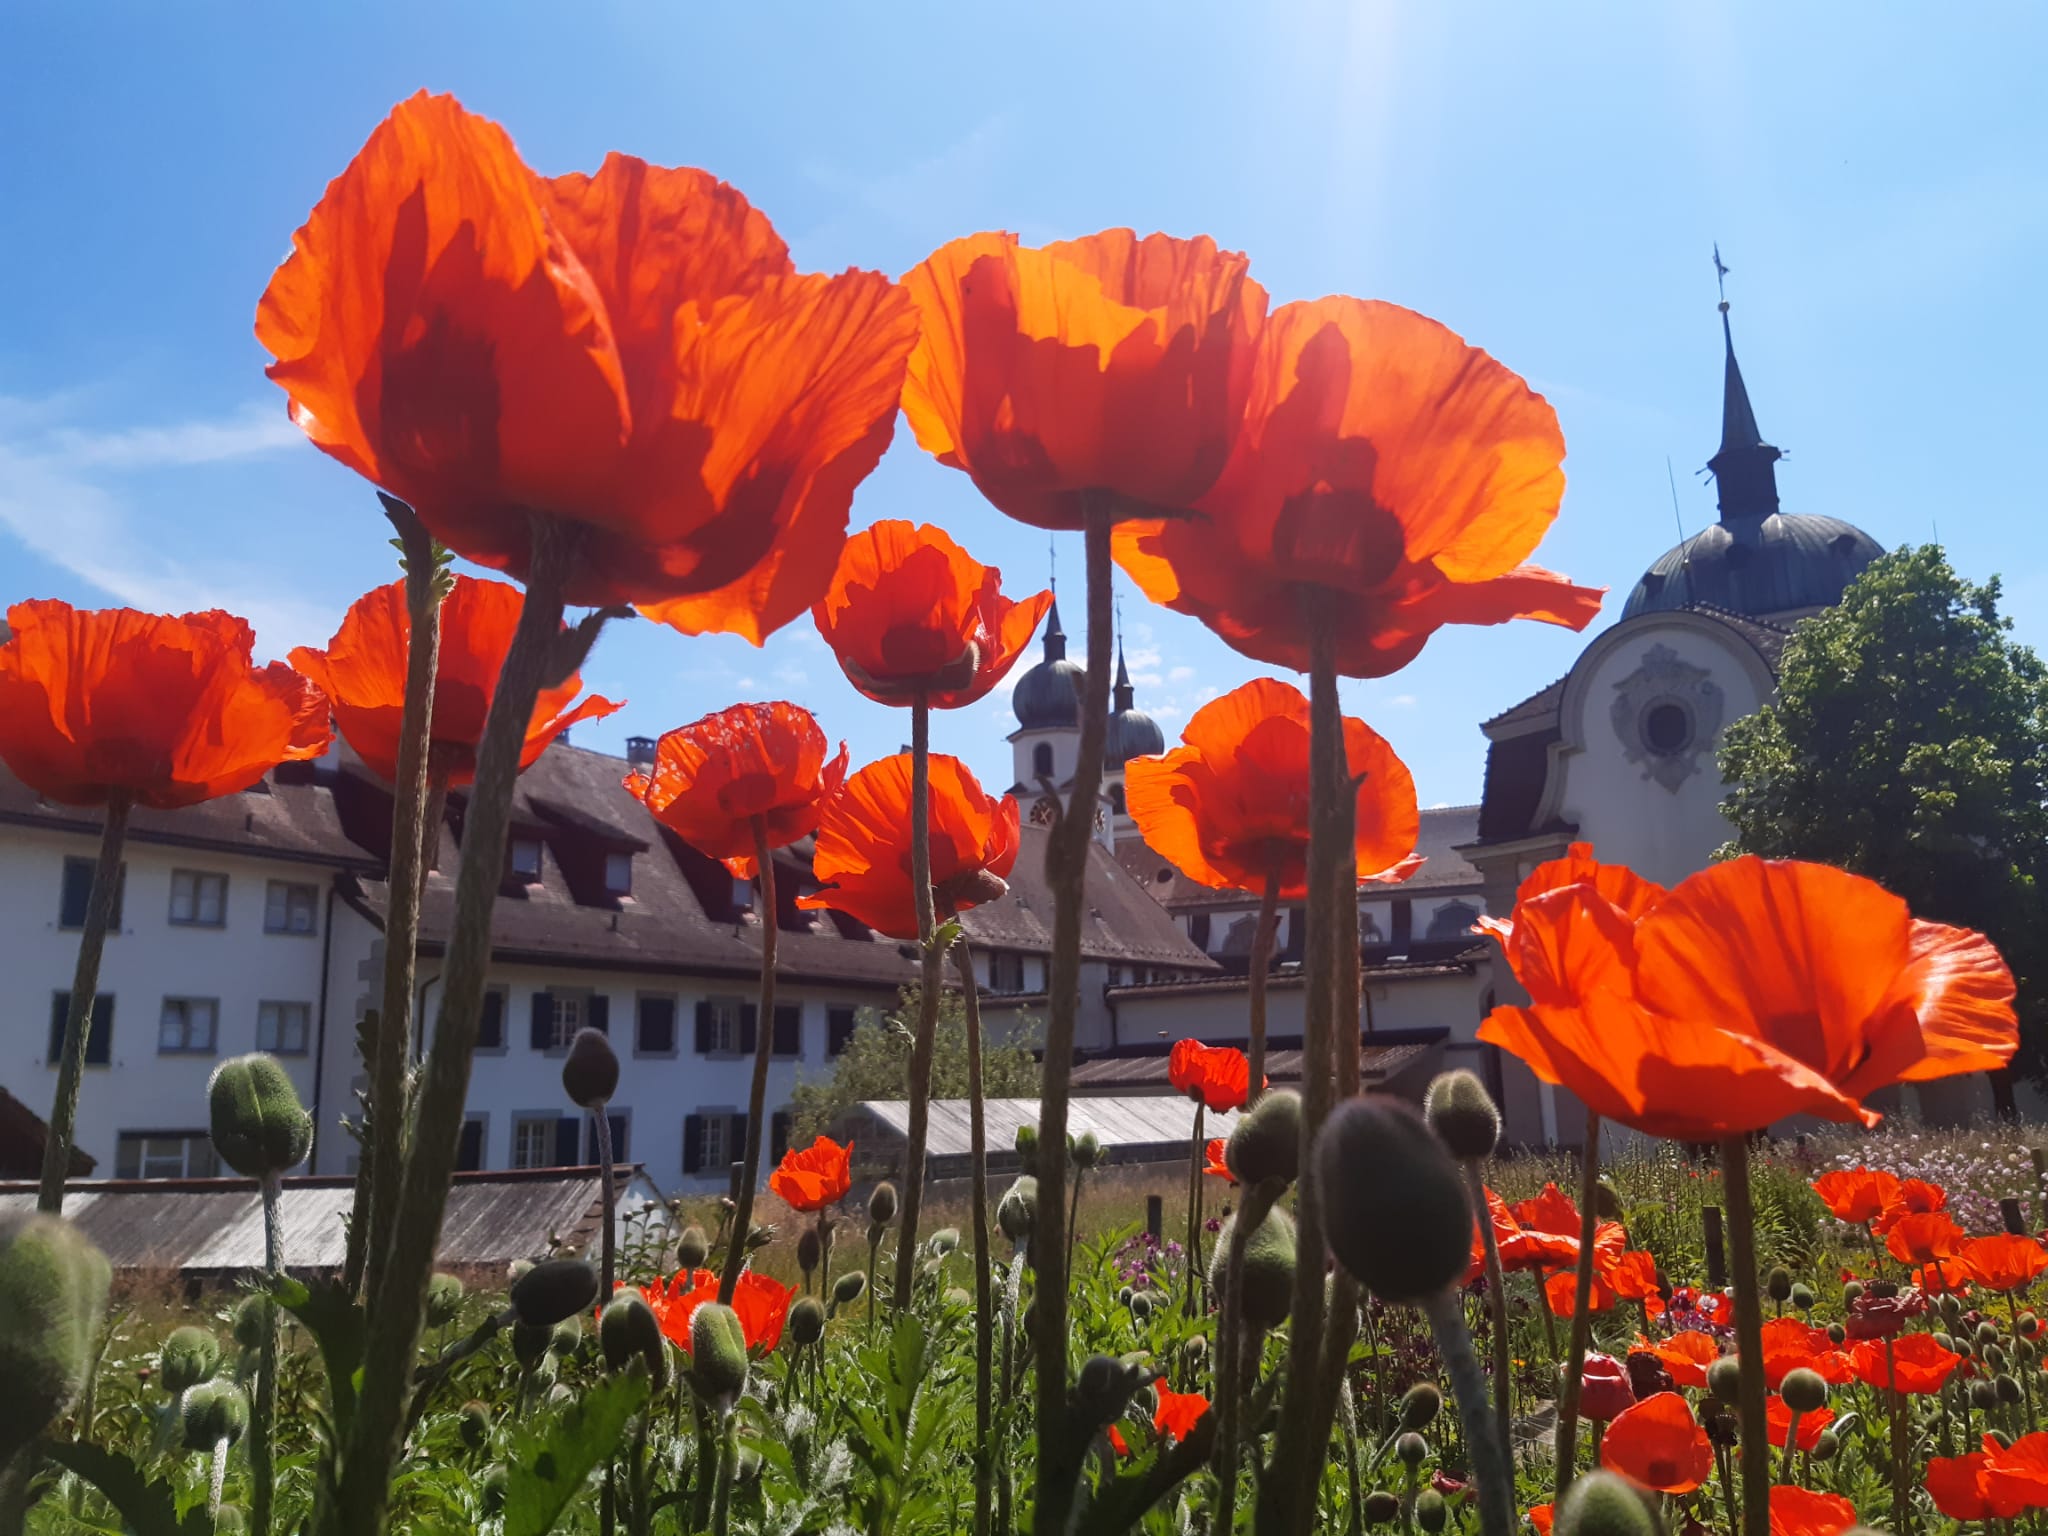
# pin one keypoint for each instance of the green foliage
(1909, 743)
(550, 1463)
(876, 1065)
(149, 1506)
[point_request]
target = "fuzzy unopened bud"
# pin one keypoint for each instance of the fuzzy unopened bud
(1724, 1379)
(1085, 1150)
(1382, 1507)
(1778, 1283)
(565, 1336)
(1397, 1212)
(1027, 1147)
(1268, 1270)
(491, 1490)
(251, 1319)
(1266, 1142)
(1828, 1446)
(188, 1357)
(229, 1521)
(1431, 1512)
(259, 1126)
(1420, 1405)
(809, 1249)
(1018, 1209)
(1102, 1391)
(212, 1412)
(475, 1424)
(1804, 1390)
(1602, 1504)
(53, 1294)
(590, 1072)
(718, 1352)
(946, 1240)
(444, 1300)
(1802, 1297)
(882, 1204)
(807, 1320)
(627, 1331)
(551, 1291)
(847, 1289)
(1462, 1113)
(1410, 1449)
(692, 1248)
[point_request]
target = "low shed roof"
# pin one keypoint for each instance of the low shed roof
(1148, 1129)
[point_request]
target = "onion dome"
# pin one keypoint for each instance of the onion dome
(1049, 695)
(1132, 732)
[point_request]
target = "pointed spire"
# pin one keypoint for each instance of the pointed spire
(1124, 694)
(1743, 469)
(1055, 637)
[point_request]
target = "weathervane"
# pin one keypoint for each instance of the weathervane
(1052, 559)
(1721, 271)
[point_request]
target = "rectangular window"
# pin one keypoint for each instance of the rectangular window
(718, 1026)
(199, 899)
(712, 1150)
(99, 1029)
(568, 1019)
(840, 1024)
(165, 1155)
(283, 1028)
(289, 907)
(187, 1026)
(654, 1031)
(525, 859)
(1005, 971)
(490, 1028)
(533, 1141)
(788, 1039)
(618, 874)
(76, 895)
(469, 1152)
(742, 894)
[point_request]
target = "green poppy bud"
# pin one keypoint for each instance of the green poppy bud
(2029, 1325)
(1987, 1334)
(1266, 1143)
(692, 1248)
(1837, 1333)
(1195, 1350)
(809, 1249)
(227, 1520)
(549, 1292)
(1802, 1297)
(1410, 1449)
(1268, 1269)
(1018, 1209)
(629, 1330)
(444, 1300)
(1462, 1113)
(718, 1352)
(1382, 1507)
(1851, 1292)
(1103, 1389)
(1804, 1390)
(491, 1491)
(530, 1344)
(1420, 1405)
(2007, 1387)
(807, 1320)
(1027, 1147)
(1085, 1150)
(259, 1126)
(251, 1318)
(565, 1336)
(1828, 1446)
(188, 1357)
(1983, 1396)
(882, 1204)
(518, 1269)
(1396, 1208)
(1946, 1342)
(746, 1466)
(53, 1294)
(2023, 1350)
(212, 1412)
(475, 1424)
(1778, 1283)
(590, 1072)
(1141, 1306)
(1724, 1379)
(1431, 1512)
(1607, 1201)
(947, 1239)
(1602, 1504)
(847, 1289)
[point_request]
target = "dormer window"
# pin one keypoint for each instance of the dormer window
(742, 894)
(525, 859)
(618, 874)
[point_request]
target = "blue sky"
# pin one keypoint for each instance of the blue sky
(1546, 180)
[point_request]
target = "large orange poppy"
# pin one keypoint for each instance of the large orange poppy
(1229, 808)
(1177, 1413)
(1791, 1345)
(1686, 1356)
(1778, 1423)
(1925, 1238)
(1920, 1364)
(910, 612)
(714, 778)
(1751, 991)
(1388, 476)
(2015, 1476)
(1797, 1511)
(1857, 1195)
(166, 711)
(761, 1303)
(632, 352)
(863, 850)
(1659, 1444)
(815, 1177)
(2004, 1262)
(362, 672)
(1108, 363)
(1912, 1197)
(1956, 1484)
(1218, 1075)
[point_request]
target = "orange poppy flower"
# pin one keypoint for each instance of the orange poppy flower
(1956, 1484)
(362, 672)
(1751, 991)
(761, 1303)
(1857, 1195)
(1177, 1413)
(1108, 363)
(1791, 1345)
(1561, 1293)
(910, 612)
(1914, 1197)
(1921, 1364)
(2004, 1262)
(1212, 1155)
(1550, 1211)
(1633, 1275)
(632, 351)
(1797, 1511)
(1778, 1423)
(1659, 1444)
(712, 778)
(167, 711)
(1622, 886)
(2015, 1476)
(1686, 1356)
(1218, 1075)
(1229, 808)
(1116, 1441)
(817, 1177)
(863, 850)
(1541, 1516)
(1384, 464)
(1925, 1237)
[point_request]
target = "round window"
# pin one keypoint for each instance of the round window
(1667, 728)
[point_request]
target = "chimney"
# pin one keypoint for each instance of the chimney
(640, 753)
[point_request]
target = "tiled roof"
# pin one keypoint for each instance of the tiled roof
(1377, 1062)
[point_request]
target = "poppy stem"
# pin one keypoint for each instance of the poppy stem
(931, 981)
(1582, 1309)
(383, 1163)
(1341, 1327)
(1902, 1448)
(1496, 1302)
(263, 1412)
(1251, 1213)
(1753, 1422)
(1066, 872)
(757, 1091)
(1197, 1145)
(1491, 1474)
(85, 984)
(1262, 962)
(608, 1249)
(984, 1275)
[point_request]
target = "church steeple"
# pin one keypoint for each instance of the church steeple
(1124, 694)
(1743, 469)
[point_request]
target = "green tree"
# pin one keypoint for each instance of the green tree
(876, 1064)
(1909, 743)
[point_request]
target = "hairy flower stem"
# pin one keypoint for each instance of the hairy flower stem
(385, 1162)
(1262, 962)
(535, 656)
(1491, 1475)
(1197, 1144)
(984, 1260)
(1341, 1328)
(609, 1197)
(930, 980)
(1230, 1347)
(1066, 869)
(1496, 1302)
(1901, 1444)
(728, 1465)
(757, 1092)
(85, 984)
(1013, 1286)
(1752, 1416)
(1582, 1308)
(263, 1413)
(217, 1483)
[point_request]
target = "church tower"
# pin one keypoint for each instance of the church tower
(1047, 742)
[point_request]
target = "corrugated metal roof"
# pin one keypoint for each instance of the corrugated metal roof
(1376, 1064)
(1128, 1128)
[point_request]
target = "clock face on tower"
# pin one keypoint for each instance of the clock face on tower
(1041, 812)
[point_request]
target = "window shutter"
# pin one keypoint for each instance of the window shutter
(789, 1029)
(99, 1033)
(839, 1024)
(568, 1134)
(599, 1014)
(657, 1032)
(543, 1032)
(77, 893)
(778, 1135)
(693, 1132)
(703, 1029)
(469, 1155)
(618, 1138)
(749, 1020)
(736, 1149)
(490, 1029)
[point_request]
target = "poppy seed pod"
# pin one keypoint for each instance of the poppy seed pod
(807, 1320)
(847, 1289)
(1397, 1212)
(475, 1424)
(1724, 1379)
(1420, 1405)
(1266, 1142)
(1851, 1292)
(1018, 1209)
(444, 1300)
(1431, 1512)
(1462, 1113)
(1410, 1449)
(250, 1321)
(1268, 1269)
(943, 1242)
(212, 1412)
(590, 1072)
(718, 1352)
(809, 1249)
(1602, 1504)
(629, 1330)
(882, 1204)
(551, 1291)
(692, 1248)
(53, 1294)
(259, 1126)
(1804, 1390)
(188, 1357)
(1382, 1507)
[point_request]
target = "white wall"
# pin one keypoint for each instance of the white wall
(1218, 1015)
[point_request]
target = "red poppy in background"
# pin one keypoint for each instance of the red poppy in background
(1633, 1277)
(1956, 1484)
(1922, 1365)
(633, 352)
(714, 777)
(1217, 1075)
(1797, 1511)
(1879, 1317)
(1561, 1293)
(863, 851)
(761, 1303)
(1229, 808)
(362, 672)
(1604, 1390)
(1686, 1355)
(1791, 1345)
(1108, 364)
(910, 612)
(1541, 1516)
(1213, 1163)
(1857, 1195)
(817, 1177)
(2016, 1476)
(2004, 1262)
(1551, 1211)
(1779, 1423)
(164, 711)
(1925, 1237)
(1622, 886)
(1388, 476)
(1659, 1444)
(1177, 1413)
(1913, 1197)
